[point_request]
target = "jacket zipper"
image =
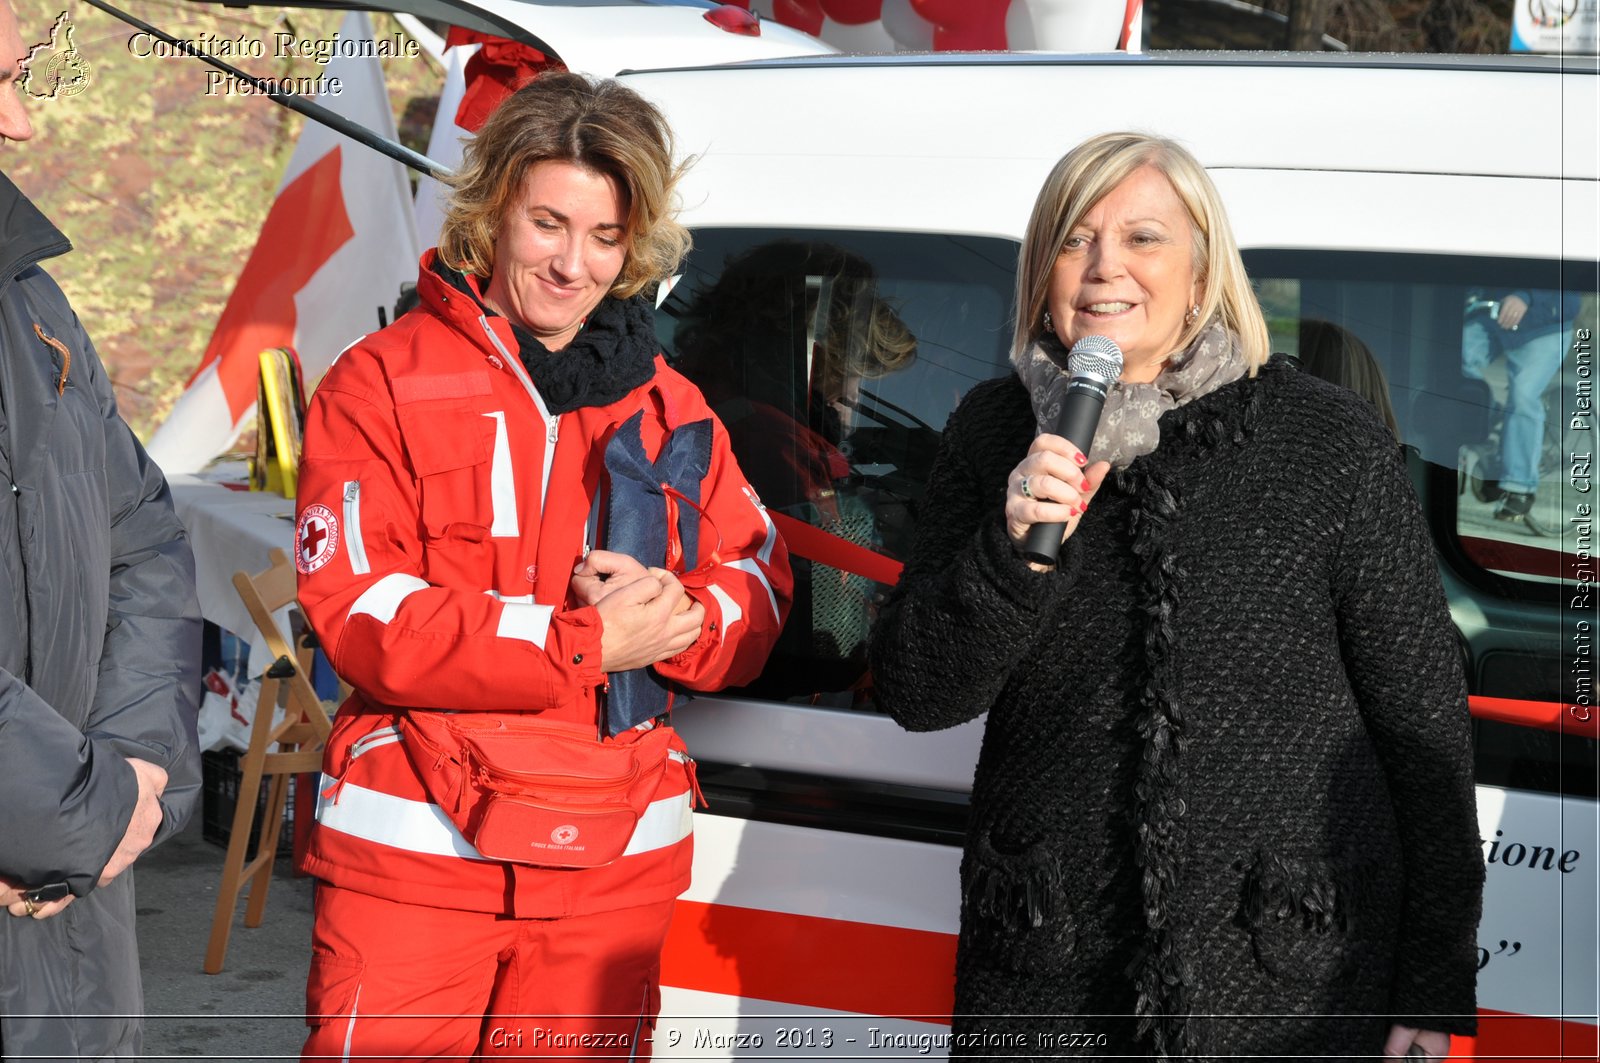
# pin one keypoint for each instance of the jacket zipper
(7, 421)
(549, 458)
(529, 782)
(698, 799)
(352, 528)
(552, 421)
(383, 736)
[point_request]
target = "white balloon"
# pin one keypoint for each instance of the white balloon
(1064, 25)
(909, 30)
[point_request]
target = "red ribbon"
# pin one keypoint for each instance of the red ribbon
(805, 540)
(500, 68)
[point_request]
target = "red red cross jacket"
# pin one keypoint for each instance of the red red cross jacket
(442, 509)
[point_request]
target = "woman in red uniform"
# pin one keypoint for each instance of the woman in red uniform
(519, 533)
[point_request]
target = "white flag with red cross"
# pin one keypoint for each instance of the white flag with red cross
(337, 244)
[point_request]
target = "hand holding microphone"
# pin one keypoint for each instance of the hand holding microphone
(1051, 488)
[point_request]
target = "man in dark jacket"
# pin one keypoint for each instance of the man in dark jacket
(99, 656)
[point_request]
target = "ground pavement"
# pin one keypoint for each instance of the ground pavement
(254, 1009)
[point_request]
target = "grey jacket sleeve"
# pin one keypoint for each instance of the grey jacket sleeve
(129, 688)
(60, 789)
(147, 701)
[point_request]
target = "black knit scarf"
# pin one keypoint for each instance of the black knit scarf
(613, 353)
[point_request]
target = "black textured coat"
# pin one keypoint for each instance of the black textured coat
(1224, 804)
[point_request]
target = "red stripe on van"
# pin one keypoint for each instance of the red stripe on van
(1516, 557)
(1510, 1038)
(808, 541)
(867, 969)
(834, 964)
(1578, 720)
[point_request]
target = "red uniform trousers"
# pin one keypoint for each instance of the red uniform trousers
(402, 981)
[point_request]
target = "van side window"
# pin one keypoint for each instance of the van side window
(1486, 370)
(834, 358)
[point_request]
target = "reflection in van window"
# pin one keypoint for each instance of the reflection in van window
(1337, 354)
(1487, 370)
(1514, 342)
(1487, 374)
(834, 359)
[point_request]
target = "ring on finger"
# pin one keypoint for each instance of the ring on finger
(27, 903)
(1027, 492)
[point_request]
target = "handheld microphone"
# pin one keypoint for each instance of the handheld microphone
(1092, 364)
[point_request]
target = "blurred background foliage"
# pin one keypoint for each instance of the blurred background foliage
(162, 188)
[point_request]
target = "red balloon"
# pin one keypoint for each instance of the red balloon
(944, 12)
(853, 12)
(803, 15)
(965, 25)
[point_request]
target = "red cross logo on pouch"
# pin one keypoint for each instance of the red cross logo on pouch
(316, 538)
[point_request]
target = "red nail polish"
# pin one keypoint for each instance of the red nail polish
(1080, 459)
(1084, 486)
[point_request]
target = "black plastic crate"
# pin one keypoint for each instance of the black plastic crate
(221, 774)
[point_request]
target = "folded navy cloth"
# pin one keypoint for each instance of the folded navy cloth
(636, 524)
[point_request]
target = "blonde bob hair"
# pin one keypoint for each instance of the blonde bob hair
(601, 126)
(1083, 177)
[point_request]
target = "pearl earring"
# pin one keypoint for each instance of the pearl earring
(1049, 326)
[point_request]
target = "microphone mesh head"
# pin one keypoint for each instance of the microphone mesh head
(1095, 357)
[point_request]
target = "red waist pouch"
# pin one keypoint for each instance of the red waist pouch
(535, 791)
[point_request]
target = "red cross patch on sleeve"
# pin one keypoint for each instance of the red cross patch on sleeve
(316, 538)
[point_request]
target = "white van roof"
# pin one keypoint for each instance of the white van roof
(912, 142)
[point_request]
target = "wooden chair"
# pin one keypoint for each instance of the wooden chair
(277, 751)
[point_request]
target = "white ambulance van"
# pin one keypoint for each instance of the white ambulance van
(856, 225)
(862, 205)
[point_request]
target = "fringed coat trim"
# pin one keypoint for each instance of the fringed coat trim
(1162, 973)
(1013, 892)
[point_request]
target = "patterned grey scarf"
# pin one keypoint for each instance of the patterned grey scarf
(1128, 423)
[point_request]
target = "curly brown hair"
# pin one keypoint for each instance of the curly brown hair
(598, 125)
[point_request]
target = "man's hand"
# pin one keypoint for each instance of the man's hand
(602, 572)
(11, 898)
(1512, 310)
(146, 818)
(647, 619)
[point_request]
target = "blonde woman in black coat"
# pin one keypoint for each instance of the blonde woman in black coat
(1224, 805)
